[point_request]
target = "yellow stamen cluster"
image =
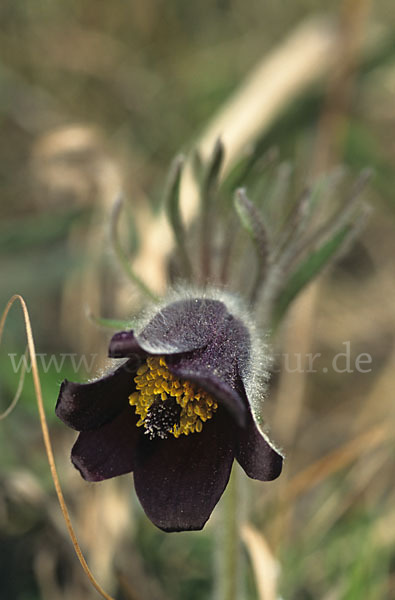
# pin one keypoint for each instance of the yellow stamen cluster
(154, 382)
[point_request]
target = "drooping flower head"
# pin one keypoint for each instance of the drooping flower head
(176, 412)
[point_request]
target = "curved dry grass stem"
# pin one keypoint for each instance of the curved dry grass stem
(46, 437)
(18, 392)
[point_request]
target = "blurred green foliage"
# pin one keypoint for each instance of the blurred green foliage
(146, 77)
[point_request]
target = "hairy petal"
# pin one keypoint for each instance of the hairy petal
(215, 368)
(192, 368)
(108, 451)
(179, 481)
(202, 343)
(255, 453)
(124, 344)
(182, 326)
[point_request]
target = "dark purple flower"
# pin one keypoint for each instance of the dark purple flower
(176, 413)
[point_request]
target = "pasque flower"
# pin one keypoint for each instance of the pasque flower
(176, 412)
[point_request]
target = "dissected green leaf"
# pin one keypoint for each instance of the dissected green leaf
(119, 252)
(308, 269)
(253, 223)
(172, 205)
(197, 166)
(114, 324)
(213, 168)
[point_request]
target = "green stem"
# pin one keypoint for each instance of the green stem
(230, 559)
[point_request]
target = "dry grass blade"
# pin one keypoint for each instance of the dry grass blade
(336, 460)
(263, 562)
(359, 477)
(299, 60)
(322, 469)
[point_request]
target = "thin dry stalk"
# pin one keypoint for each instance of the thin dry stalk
(323, 468)
(266, 569)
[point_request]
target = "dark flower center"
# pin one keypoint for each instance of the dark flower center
(167, 404)
(161, 418)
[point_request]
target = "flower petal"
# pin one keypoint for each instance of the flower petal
(179, 481)
(215, 369)
(255, 453)
(186, 368)
(85, 406)
(124, 344)
(202, 342)
(109, 450)
(182, 326)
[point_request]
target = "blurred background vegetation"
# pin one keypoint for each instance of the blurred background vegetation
(98, 96)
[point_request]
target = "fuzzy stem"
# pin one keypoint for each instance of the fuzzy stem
(230, 559)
